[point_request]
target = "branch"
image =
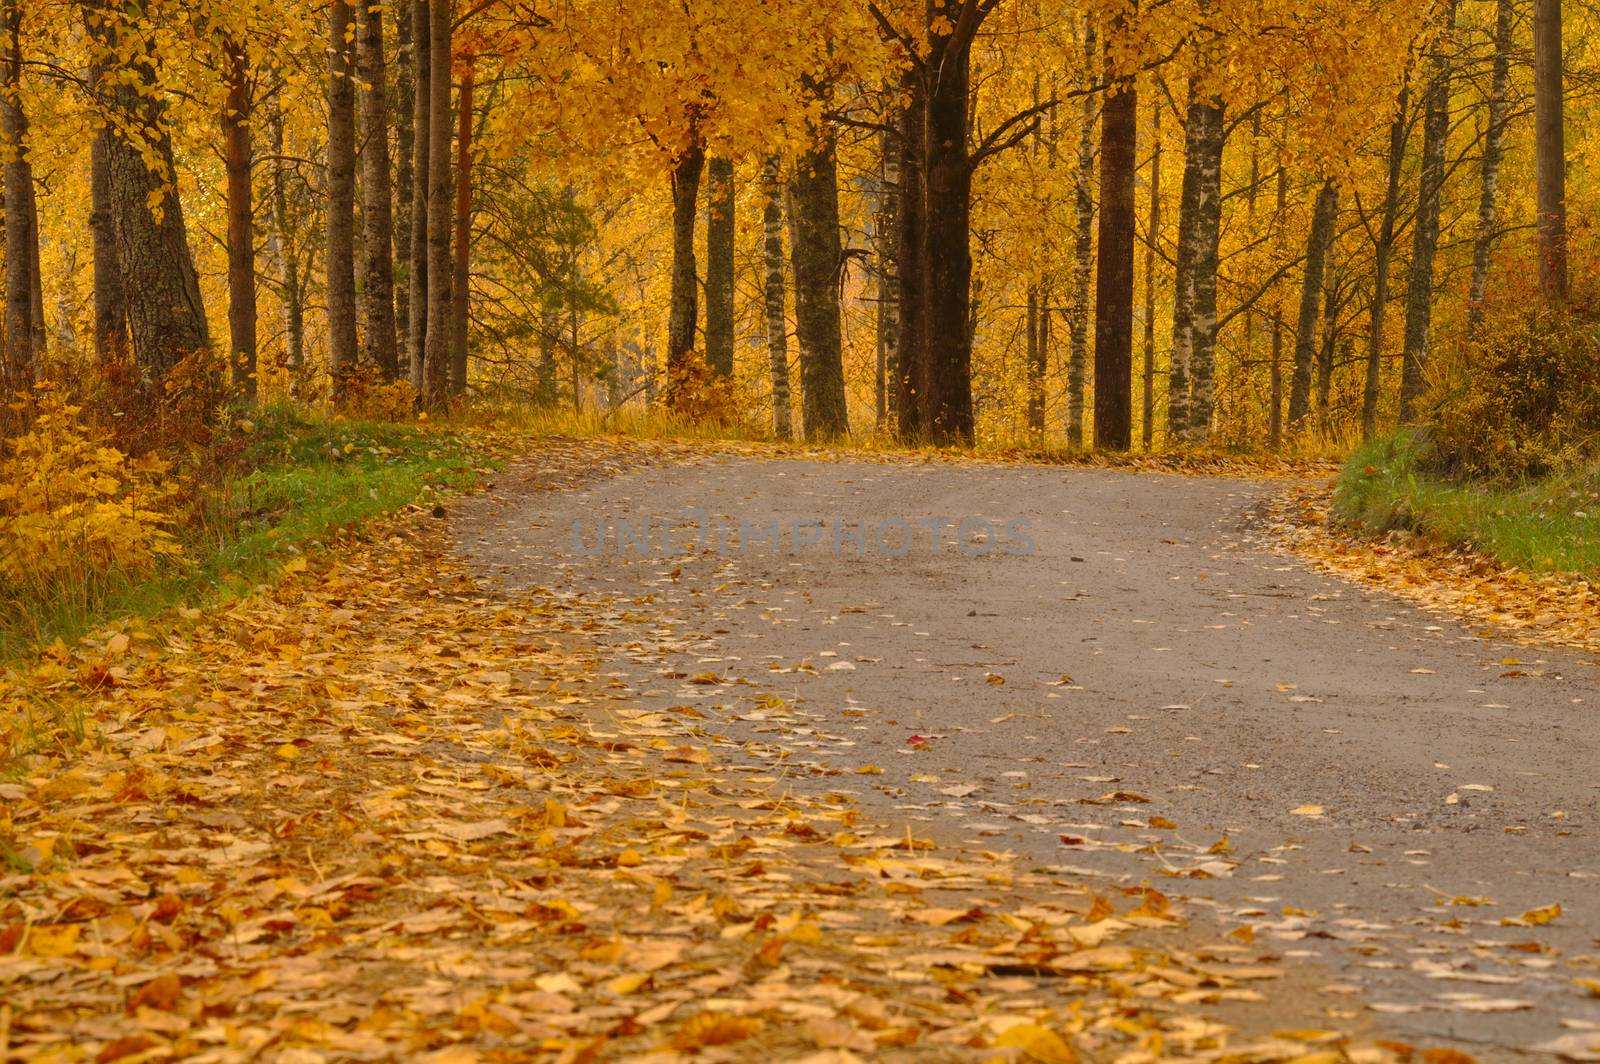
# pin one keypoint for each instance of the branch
(993, 144)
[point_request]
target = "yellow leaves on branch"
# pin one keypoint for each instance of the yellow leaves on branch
(72, 505)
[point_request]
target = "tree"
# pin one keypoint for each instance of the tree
(422, 175)
(166, 314)
(1425, 230)
(818, 260)
(777, 325)
(1083, 247)
(377, 188)
(17, 364)
(1549, 147)
(1305, 338)
(340, 240)
(1113, 300)
(460, 310)
(238, 160)
(684, 311)
(436, 342)
(1382, 252)
(719, 265)
(1152, 234)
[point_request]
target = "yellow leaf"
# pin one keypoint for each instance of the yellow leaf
(57, 941)
(712, 1029)
(1307, 810)
(1534, 917)
(1037, 1043)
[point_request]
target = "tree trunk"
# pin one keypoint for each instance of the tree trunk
(1152, 237)
(166, 316)
(340, 246)
(294, 326)
(110, 302)
(436, 349)
(417, 267)
(1425, 230)
(1330, 341)
(377, 273)
(1280, 232)
(719, 266)
(946, 224)
(1035, 369)
(1083, 249)
(684, 310)
(818, 260)
(1494, 136)
(1382, 253)
(884, 228)
(911, 262)
(405, 108)
(1113, 326)
(461, 307)
(1305, 340)
(1549, 148)
(17, 366)
(1207, 115)
(237, 161)
(777, 325)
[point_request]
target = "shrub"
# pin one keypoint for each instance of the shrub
(73, 507)
(1523, 400)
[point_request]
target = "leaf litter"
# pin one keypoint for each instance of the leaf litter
(377, 811)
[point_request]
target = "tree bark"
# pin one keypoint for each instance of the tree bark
(461, 284)
(1083, 247)
(817, 257)
(911, 262)
(166, 316)
(884, 227)
(1035, 369)
(237, 161)
(1382, 254)
(417, 267)
(683, 312)
(17, 365)
(1549, 148)
(777, 325)
(1113, 333)
(946, 227)
(1330, 341)
(1194, 318)
(1494, 136)
(405, 107)
(110, 302)
(436, 350)
(719, 266)
(377, 188)
(340, 246)
(1305, 340)
(1152, 237)
(1425, 230)
(293, 292)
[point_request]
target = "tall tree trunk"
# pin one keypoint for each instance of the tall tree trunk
(1280, 233)
(1207, 114)
(417, 287)
(719, 265)
(166, 316)
(340, 246)
(911, 262)
(684, 309)
(1549, 147)
(405, 109)
(885, 226)
(110, 302)
(1494, 136)
(1425, 231)
(947, 414)
(1330, 341)
(294, 327)
(436, 350)
(1113, 331)
(377, 189)
(777, 324)
(237, 159)
(461, 307)
(17, 366)
(1035, 368)
(1083, 246)
(1153, 237)
(1305, 339)
(818, 259)
(35, 273)
(1382, 253)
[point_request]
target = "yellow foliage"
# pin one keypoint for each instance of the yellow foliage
(71, 505)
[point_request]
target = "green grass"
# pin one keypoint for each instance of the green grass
(1547, 525)
(288, 486)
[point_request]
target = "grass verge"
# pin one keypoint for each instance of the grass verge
(286, 486)
(1550, 524)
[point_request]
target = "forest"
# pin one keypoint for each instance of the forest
(1119, 225)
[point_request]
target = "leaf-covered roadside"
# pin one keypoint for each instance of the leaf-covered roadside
(379, 812)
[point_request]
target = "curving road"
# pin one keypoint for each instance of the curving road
(1130, 683)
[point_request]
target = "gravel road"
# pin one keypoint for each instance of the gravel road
(1124, 678)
